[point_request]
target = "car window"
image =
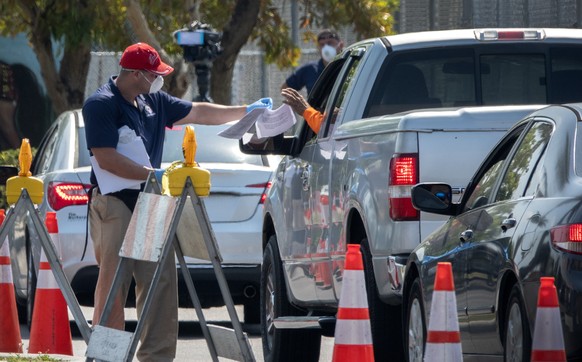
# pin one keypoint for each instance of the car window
(45, 155)
(83, 153)
(480, 191)
(65, 145)
(424, 79)
(210, 146)
(578, 149)
(513, 79)
(42, 157)
(476, 76)
(521, 172)
(336, 107)
(566, 75)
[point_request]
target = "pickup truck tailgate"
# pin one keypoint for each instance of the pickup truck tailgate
(452, 152)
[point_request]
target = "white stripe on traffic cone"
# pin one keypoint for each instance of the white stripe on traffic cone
(50, 330)
(443, 340)
(353, 334)
(10, 340)
(548, 341)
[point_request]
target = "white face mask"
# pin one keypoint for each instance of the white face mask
(328, 53)
(156, 85)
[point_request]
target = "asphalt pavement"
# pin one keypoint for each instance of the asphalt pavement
(191, 342)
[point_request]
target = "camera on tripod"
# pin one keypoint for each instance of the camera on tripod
(201, 45)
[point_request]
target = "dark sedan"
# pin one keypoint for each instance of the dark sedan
(520, 218)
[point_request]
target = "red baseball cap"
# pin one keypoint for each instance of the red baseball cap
(141, 56)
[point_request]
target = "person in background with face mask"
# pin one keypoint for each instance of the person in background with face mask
(134, 99)
(329, 45)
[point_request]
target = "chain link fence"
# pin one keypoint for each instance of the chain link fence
(252, 78)
(419, 15)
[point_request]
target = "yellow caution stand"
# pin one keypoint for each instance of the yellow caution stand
(23, 193)
(159, 224)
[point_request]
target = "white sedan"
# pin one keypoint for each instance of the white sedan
(234, 206)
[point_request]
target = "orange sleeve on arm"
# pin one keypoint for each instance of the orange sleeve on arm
(313, 118)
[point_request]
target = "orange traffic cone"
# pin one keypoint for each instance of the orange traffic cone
(548, 340)
(10, 340)
(50, 330)
(353, 335)
(443, 340)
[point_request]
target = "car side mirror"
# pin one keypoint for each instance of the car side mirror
(277, 145)
(435, 198)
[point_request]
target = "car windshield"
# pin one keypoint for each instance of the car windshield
(210, 147)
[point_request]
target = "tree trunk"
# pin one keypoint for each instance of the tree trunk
(176, 83)
(234, 37)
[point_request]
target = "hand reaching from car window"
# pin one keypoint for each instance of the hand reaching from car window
(294, 99)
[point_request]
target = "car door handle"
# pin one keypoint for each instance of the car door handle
(508, 223)
(466, 235)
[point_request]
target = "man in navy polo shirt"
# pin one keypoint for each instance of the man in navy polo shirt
(329, 45)
(134, 99)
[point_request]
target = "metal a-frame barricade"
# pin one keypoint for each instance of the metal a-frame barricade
(22, 206)
(109, 344)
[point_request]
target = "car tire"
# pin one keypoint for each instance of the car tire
(25, 307)
(385, 320)
(415, 330)
(282, 344)
(517, 343)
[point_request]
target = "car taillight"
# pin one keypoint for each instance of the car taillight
(567, 238)
(63, 194)
(403, 175)
(265, 186)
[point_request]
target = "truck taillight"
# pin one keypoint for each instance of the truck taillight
(527, 34)
(403, 175)
(567, 238)
(63, 194)
(265, 186)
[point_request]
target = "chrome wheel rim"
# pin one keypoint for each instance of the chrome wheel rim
(514, 337)
(415, 333)
(269, 306)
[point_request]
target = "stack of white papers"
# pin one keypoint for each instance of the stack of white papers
(266, 122)
(131, 146)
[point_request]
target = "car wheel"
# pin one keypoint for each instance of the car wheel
(517, 334)
(282, 344)
(415, 331)
(385, 320)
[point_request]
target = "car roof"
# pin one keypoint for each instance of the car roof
(427, 39)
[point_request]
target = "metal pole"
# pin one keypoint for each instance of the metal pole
(204, 223)
(195, 301)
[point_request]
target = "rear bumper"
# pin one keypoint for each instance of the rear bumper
(243, 284)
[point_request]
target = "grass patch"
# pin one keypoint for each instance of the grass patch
(19, 358)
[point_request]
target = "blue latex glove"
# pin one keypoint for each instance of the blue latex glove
(158, 173)
(261, 103)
